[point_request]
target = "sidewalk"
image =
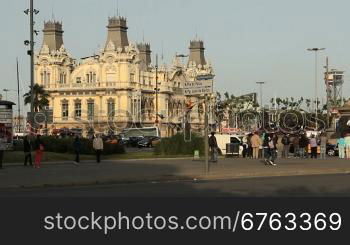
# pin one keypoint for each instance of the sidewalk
(129, 171)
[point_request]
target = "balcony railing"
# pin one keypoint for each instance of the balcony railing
(116, 85)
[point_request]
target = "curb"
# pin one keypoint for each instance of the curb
(174, 178)
(106, 160)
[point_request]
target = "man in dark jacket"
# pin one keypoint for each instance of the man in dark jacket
(27, 148)
(285, 143)
(303, 143)
(213, 148)
(77, 146)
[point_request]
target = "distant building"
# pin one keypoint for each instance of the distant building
(115, 88)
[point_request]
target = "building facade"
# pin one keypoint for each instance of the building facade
(116, 88)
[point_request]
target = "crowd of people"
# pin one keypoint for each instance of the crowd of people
(270, 146)
(267, 145)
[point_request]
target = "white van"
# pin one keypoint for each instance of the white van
(223, 139)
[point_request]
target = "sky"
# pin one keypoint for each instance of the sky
(247, 41)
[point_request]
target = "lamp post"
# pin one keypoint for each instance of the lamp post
(261, 103)
(31, 11)
(316, 50)
(157, 90)
(6, 90)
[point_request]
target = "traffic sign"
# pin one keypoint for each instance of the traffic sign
(198, 87)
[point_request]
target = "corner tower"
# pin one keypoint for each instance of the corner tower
(53, 35)
(197, 53)
(145, 53)
(117, 33)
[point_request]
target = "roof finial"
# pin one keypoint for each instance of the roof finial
(162, 57)
(117, 7)
(143, 36)
(52, 11)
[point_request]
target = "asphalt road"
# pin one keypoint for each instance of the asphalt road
(316, 185)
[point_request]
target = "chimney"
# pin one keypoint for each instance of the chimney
(117, 32)
(145, 52)
(53, 35)
(197, 53)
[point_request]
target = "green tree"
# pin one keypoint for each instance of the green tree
(40, 97)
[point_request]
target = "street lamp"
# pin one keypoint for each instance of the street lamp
(156, 90)
(31, 12)
(6, 90)
(316, 88)
(261, 103)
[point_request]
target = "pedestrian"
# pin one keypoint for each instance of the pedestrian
(249, 143)
(266, 148)
(1, 157)
(98, 147)
(296, 146)
(313, 145)
(256, 142)
(323, 146)
(285, 143)
(39, 151)
(245, 146)
(273, 139)
(77, 148)
(347, 145)
(303, 144)
(341, 147)
(213, 145)
(27, 148)
(261, 147)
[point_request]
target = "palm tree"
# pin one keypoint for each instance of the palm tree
(40, 97)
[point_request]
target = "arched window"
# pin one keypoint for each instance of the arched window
(45, 76)
(91, 77)
(63, 77)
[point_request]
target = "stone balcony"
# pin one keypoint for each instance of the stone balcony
(103, 85)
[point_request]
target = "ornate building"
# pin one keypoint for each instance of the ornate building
(115, 89)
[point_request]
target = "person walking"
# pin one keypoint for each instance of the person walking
(256, 142)
(266, 148)
(341, 147)
(296, 146)
(285, 143)
(77, 148)
(272, 144)
(27, 149)
(323, 146)
(39, 151)
(1, 156)
(303, 144)
(313, 145)
(98, 147)
(249, 143)
(347, 145)
(213, 145)
(245, 146)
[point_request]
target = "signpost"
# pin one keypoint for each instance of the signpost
(202, 86)
(6, 128)
(198, 87)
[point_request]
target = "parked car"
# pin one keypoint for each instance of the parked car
(148, 141)
(134, 140)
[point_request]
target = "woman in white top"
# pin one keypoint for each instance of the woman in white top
(347, 146)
